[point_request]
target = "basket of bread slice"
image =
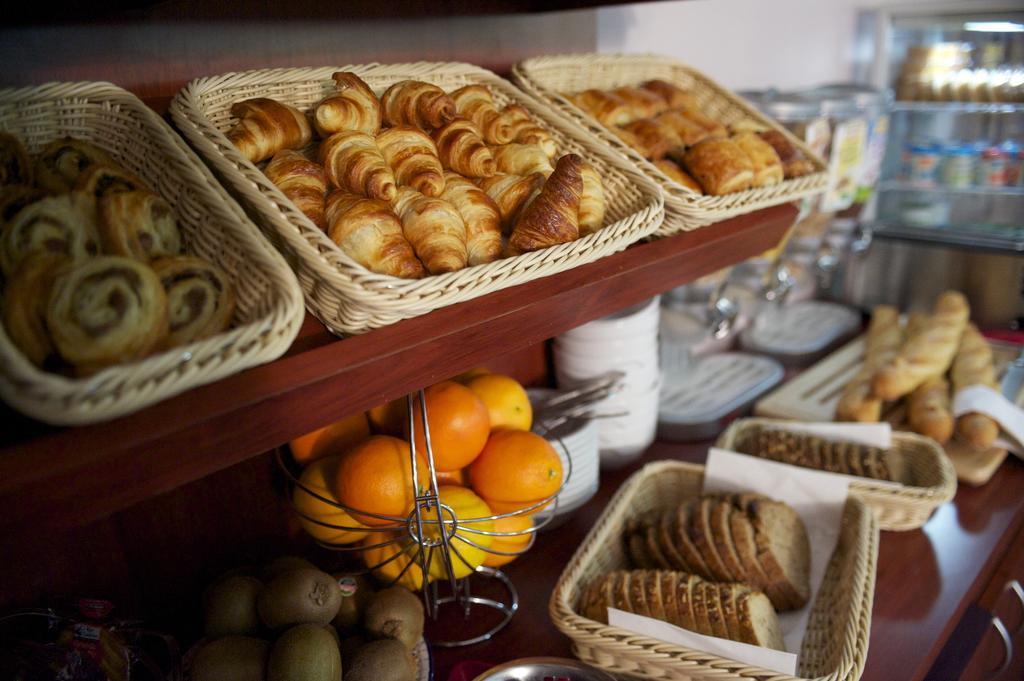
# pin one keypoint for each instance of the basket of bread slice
(398, 189)
(721, 565)
(712, 153)
(129, 274)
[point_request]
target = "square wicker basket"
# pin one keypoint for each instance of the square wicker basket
(550, 78)
(929, 479)
(834, 646)
(269, 308)
(347, 297)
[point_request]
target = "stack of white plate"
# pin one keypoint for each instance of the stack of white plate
(627, 342)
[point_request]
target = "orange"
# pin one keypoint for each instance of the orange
(376, 476)
(390, 561)
(507, 402)
(513, 543)
(459, 425)
(457, 477)
(468, 549)
(331, 439)
(389, 418)
(468, 375)
(516, 469)
(313, 511)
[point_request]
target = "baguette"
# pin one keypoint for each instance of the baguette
(857, 403)
(928, 410)
(973, 365)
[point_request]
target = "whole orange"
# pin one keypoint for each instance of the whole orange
(507, 402)
(322, 519)
(394, 557)
(469, 374)
(389, 418)
(376, 476)
(456, 477)
(516, 469)
(459, 424)
(518, 538)
(331, 439)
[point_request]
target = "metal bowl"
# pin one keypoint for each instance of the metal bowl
(544, 668)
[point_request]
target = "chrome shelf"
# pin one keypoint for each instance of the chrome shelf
(1002, 239)
(959, 107)
(907, 186)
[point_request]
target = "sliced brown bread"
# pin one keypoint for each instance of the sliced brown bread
(638, 593)
(654, 547)
(684, 601)
(636, 547)
(746, 545)
(714, 607)
(701, 620)
(700, 533)
(782, 549)
(758, 621)
(685, 545)
(669, 580)
(669, 543)
(655, 599)
(892, 466)
(592, 597)
(620, 591)
(722, 538)
(727, 603)
(855, 462)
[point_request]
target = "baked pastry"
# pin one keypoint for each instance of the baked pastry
(63, 224)
(689, 132)
(631, 140)
(929, 412)
(413, 158)
(26, 298)
(101, 180)
(138, 225)
(884, 338)
(106, 310)
(812, 451)
(15, 165)
(720, 166)
(656, 138)
(511, 193)
(200, 298)
(767, 166)
(418, 104)
(794, 163)
(352, 107)
(266, 126)
(303, 181)
(370, 233)
(461, 148)
(63, 160)
(553, 217)
(973, 365)
(522, 159)
(480, 215)
(526, 131)
(476, 103)
(673, 95)
(677, 174)
(355, 164)
(434, 228)
(15, 197)
(641, 103)
(607, 108)
(592, 204)
(713, 127)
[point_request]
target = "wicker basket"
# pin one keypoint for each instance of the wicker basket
(834, 646)
(549, 78)
(347, 297)
(928, 476)
(269, 302)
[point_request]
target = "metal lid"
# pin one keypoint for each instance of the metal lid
(865, 97)
(540, 668)
(834, 105)
(791, 106)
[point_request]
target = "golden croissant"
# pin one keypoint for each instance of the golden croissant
(352, 107)
(592, 205)
(434, 228)
(413, 159)
(266, 126)
(462, 149)
(553, 217)
(526, 131)
(421, 105)
(370, 233)
(302, 181)
(475, 103)
(481, 216)
(355, 164)
(522, 159)
(510, 193)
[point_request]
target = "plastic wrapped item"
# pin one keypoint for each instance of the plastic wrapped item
(958, 165)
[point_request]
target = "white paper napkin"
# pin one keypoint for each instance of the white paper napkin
(871, 434)
(984, 400)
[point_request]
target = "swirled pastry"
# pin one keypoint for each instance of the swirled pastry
(138, 225)
(510, 193)
(266, 126)
(413, 158)
(100, 180)
(553, 217)
(200, 298)
(592, 205)
(720, 166)
(713, 127)
(522, 159)
(15, 197)
(656, 138)
(354, 164)
(689, 132)
(301, 180)
(25, 302)
(526, 131)
(767, 166)
(421, 105)
(352, 107)
(64, 160)
(435, 230)
(106, 310)
(462, 149)
(641, 103)
(476, 103)
(370, 233)
(62, 224)
(480, 215)
(15, 165)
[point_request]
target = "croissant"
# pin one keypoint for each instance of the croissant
(674, 96)
(656, 138)
(355, 164)
(370, 233)
(510, 193)
(352, 107)
(200, 298)
(592, 206)
(641, 103)
(15, 166)
(480, 215)
(607, 108)
(475, 103)
(553, 217)
(138, 225)
(266, 126)
(421, 105)
(302, 181)
(689, 132)
(434, 228)
(63, 160)
(522, 159)
(526, 131)
(25, 301)
(64, 224)
(462, 149)
(413, 159)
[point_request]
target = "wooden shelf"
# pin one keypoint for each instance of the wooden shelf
(54, 478)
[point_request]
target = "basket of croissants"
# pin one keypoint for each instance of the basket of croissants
(129, 274)
(713, 154)
(398, 189)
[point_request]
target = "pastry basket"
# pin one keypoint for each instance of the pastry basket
(345, 296)
(550, 78)
(269, 303)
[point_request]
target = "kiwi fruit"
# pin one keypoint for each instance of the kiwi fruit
(305, 652)
(298, 597)
(356, 592)
(395, 613)
(283, 564)
(349, 646)
(383, 660)
(231, 658)
(229, 606)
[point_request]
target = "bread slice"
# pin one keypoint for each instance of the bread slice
(727, 600)
(701, 621)
(759, 623)
(782, 549)
(855, 462)
(685, 544)
(636, 545)
(620, 591)
(684, 601)
(893, 467)
(700, 533)
(638, 593)
(669, 580)
(722, 538)
(592, 597)
(668, 542)
(653, 547)
(714, 607)
(742, 532)
(655, 601)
